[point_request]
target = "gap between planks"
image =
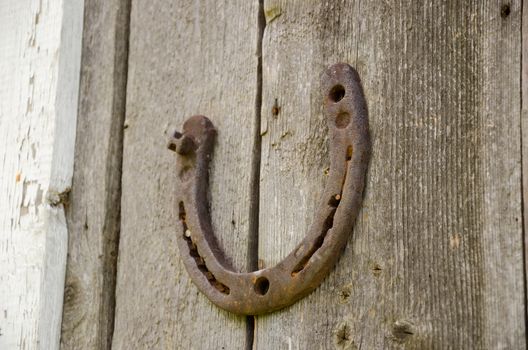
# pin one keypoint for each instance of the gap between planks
(94, 214)
(253, 234)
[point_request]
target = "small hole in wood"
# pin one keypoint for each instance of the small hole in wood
(337, 93)
(261, 285)
(505, 10)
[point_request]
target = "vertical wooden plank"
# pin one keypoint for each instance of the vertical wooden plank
(524, 132)
(189, 58)
(503, 297)
(435, 259)
(39, 80)
(93, 213)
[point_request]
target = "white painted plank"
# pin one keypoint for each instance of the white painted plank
(40, 45)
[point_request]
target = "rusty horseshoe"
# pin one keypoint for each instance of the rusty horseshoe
(306, 266)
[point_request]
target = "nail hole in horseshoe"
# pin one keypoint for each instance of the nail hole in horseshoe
(342, 120)
(349, 153)
(185, 173)
(337, 93)
(261, 285)
(329, 222)
(193, 251)
(333, 202)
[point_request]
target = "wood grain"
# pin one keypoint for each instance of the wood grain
(184, 59)
(93, 213)
(524, 150)
(435, 259)
(40, 48)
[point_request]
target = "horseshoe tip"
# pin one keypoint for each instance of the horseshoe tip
(340, 71)
(198, 124)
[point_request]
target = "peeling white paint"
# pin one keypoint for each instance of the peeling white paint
(40, 47)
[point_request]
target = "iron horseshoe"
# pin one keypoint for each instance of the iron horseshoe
(306, 266)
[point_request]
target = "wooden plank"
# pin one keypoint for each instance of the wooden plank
(185, 59)
(40, 47)
(524, 129)
(93, 214)
(435, 260)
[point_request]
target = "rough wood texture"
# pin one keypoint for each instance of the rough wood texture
(93, 214)
(524, 128)
(184, 59)
(435, 260)
(39, 79)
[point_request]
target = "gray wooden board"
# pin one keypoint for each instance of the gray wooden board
(435, 258)
(524, 127)
(185, 58)
(93, 210)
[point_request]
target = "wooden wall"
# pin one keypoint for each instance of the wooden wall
(436, 258)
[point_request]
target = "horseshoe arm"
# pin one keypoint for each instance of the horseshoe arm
(306, 266)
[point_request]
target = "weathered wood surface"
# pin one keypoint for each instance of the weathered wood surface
(39, 78)
(184, 59)
(93, 214)
(435, 260)
(524, 128)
